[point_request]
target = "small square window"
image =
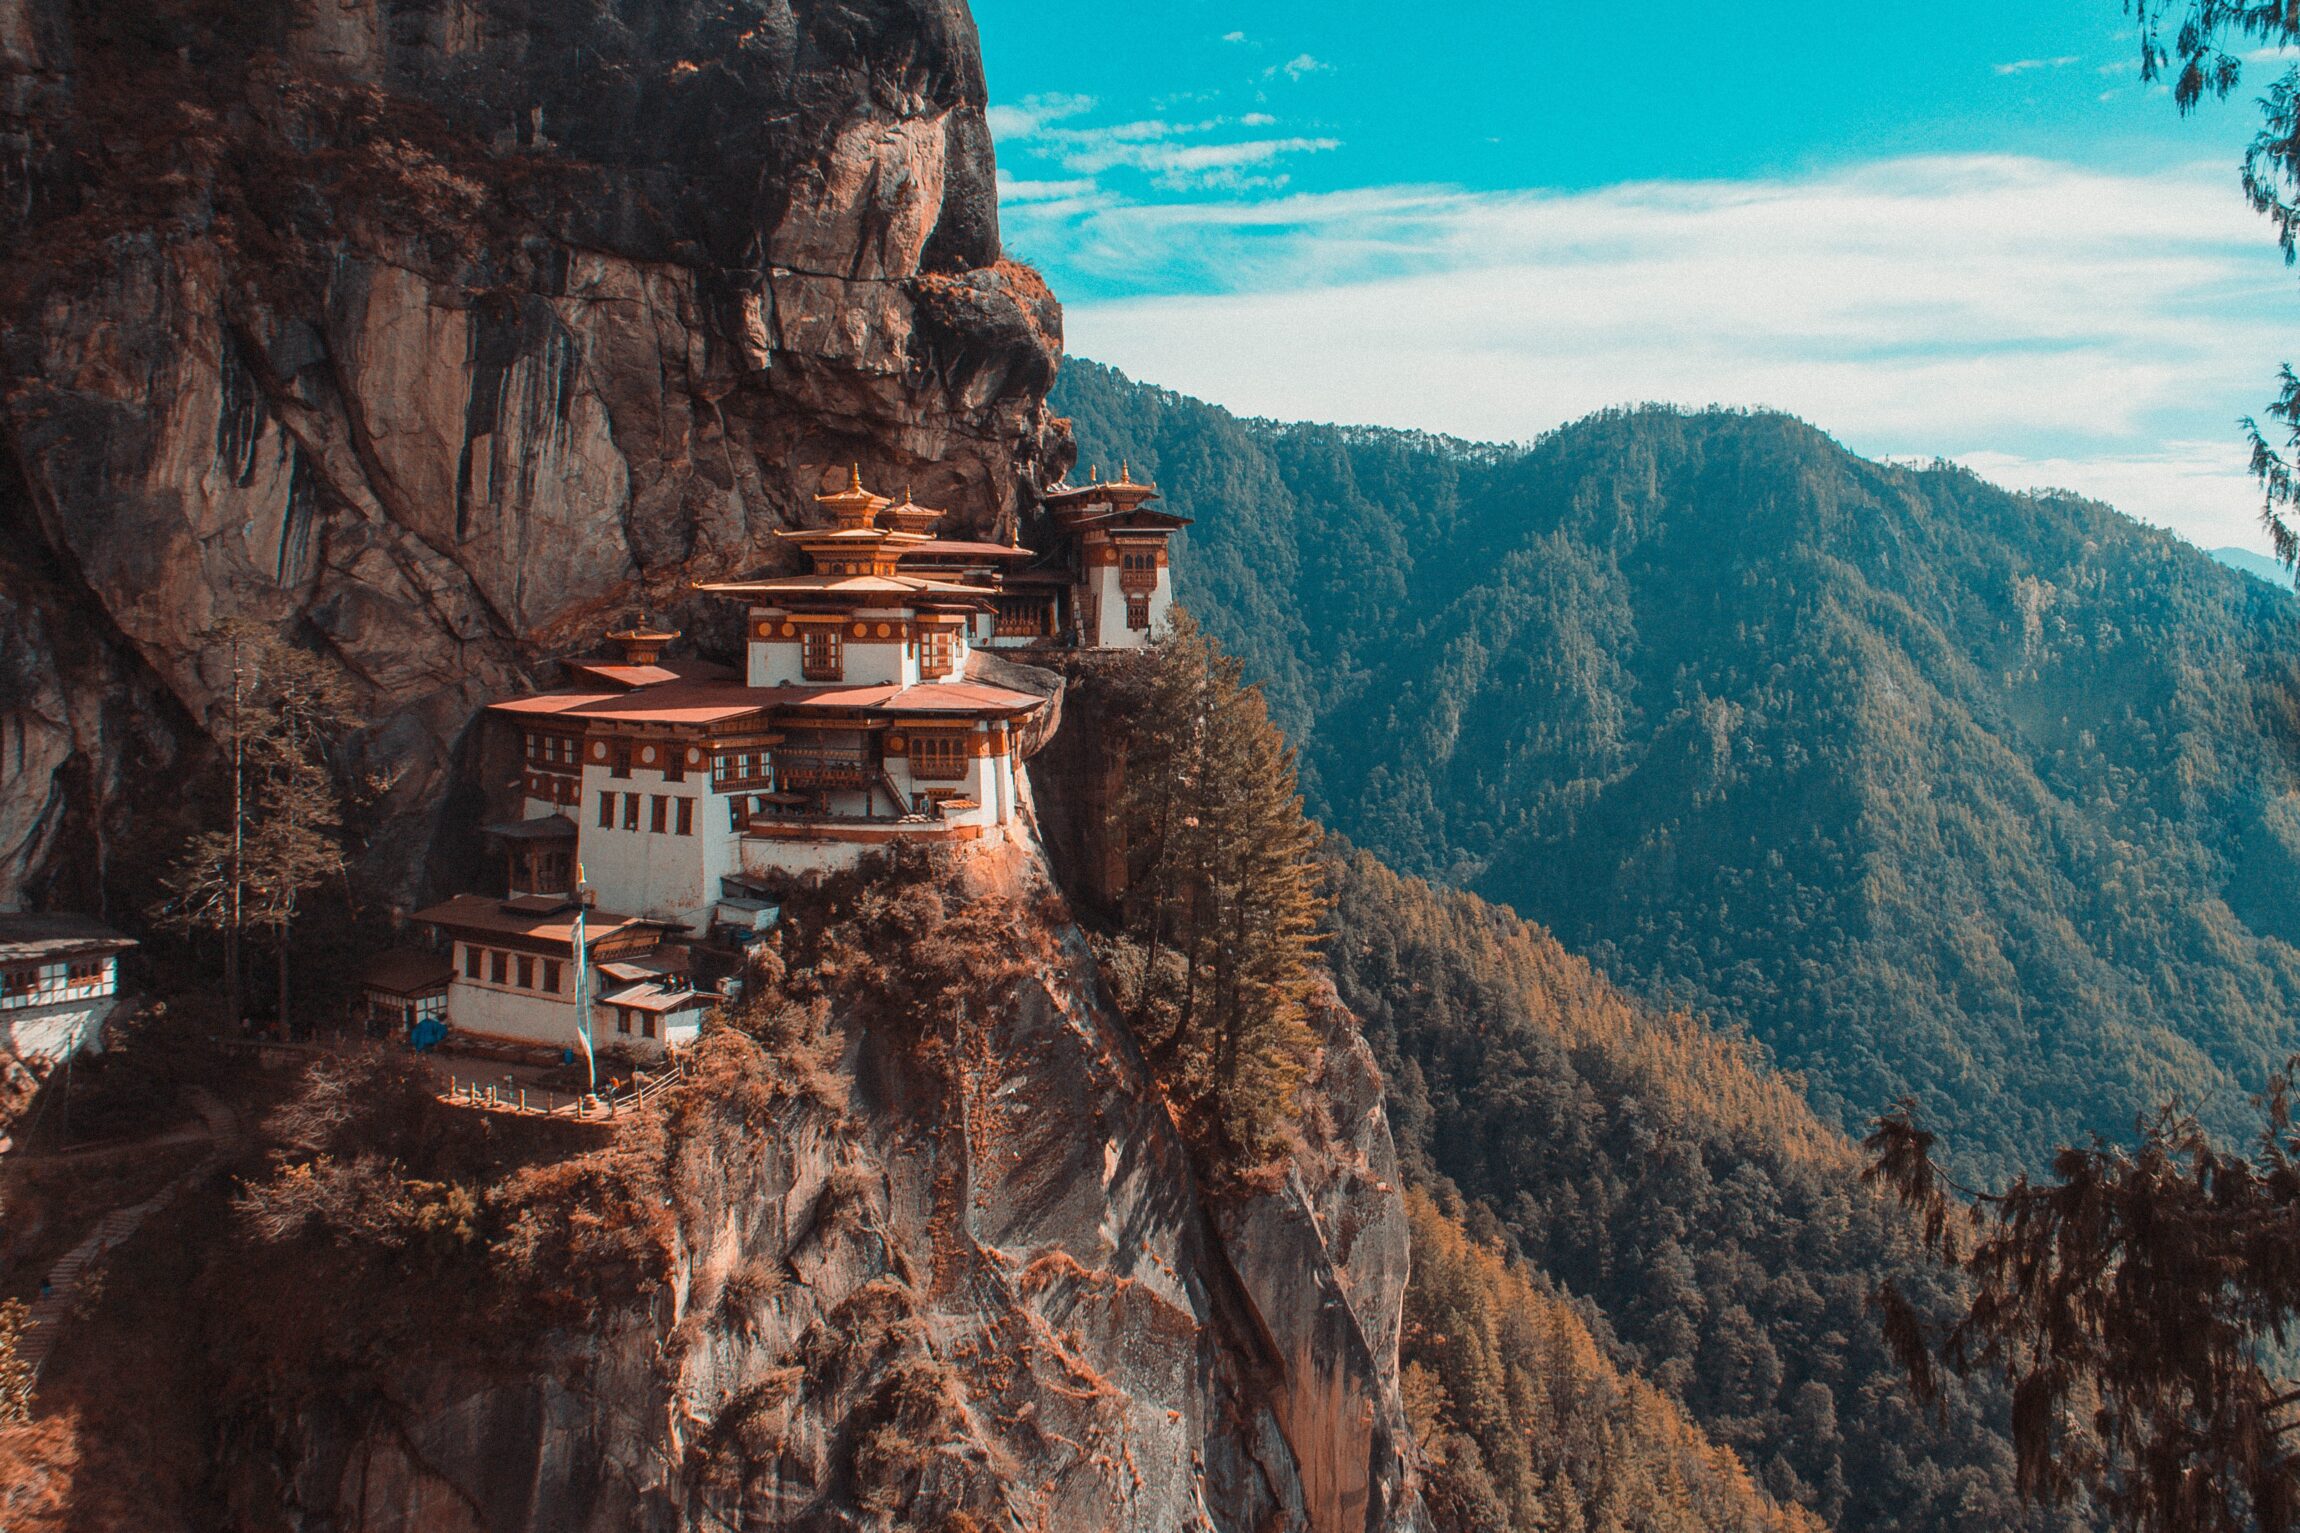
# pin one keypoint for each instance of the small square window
(819, 654)
(498, 967)
(622, 1019)
(526, 973)
(551, 976)
(470, 961)
(646, 1024)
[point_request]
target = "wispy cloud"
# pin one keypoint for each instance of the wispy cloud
(1031, 117)
(1299, 65)
(1199, 155)
(2046, 323)
(2024, 66)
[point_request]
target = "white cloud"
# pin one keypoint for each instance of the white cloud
(1175, 156)
(2023, 66)
(1012, 190)
(2044, 323)
(1032, 116)
(1233, 37)
(2198, 489)
(1299, 65)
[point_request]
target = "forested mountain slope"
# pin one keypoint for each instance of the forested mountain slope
(1940, 790)
(1650, 1168)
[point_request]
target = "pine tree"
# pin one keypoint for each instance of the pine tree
(281, 723)
(1224, 900)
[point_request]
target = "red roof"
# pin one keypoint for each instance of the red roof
(846, 585)
(687, 702)
(616, 674)
(478, 913)
(402, 971)
(960, 548)
(705, 702)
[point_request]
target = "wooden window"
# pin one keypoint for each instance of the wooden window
(85, 971)
(19, 981)
(526, 972)
(646, 1024)
(738, 819)
(630, 811)
(470, 961)
(622, 1019)
(551, 976)
(1138, 612)
(686, 817)
(819, 655)
(935, 652)
(674, 762)
(498, 966)
(606, 811)
(620, 760)
(940, 756)
(659, 815)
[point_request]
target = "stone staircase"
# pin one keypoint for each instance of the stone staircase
(44, 1324)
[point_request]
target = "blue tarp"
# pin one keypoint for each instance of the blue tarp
(426, 1035)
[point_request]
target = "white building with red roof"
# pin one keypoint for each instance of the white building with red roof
(675, 791)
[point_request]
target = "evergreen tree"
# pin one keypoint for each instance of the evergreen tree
(282, 722)
(2141, 1304)
(1223, 903)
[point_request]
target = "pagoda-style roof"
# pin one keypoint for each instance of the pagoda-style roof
(502, 918)
(909, 515)
(959, 548)
(615, 673)
(724, 702)
(853, 506)
(848, 590)
(694, 702)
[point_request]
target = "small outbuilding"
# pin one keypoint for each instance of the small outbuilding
(406, 992)
(59, 983)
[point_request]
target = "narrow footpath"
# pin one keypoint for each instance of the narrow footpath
(44, 1325)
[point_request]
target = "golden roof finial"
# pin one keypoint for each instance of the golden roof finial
(1125, 472)
(854, 482)
(1094, 473)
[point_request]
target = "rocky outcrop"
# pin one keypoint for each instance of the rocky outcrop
(954, 1280)
(435, 332)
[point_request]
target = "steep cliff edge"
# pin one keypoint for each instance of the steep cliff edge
(438, 330)
(914, 1246)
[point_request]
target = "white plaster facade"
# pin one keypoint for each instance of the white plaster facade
(661, 873)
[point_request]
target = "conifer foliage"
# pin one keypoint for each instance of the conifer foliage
(2141, 1304)
(1224, 899)
(1523, 1423)
(283, 717)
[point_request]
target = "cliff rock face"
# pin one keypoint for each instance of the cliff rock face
(438, 331)
(955, 1279)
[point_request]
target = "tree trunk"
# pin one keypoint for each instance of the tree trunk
(284, 1029)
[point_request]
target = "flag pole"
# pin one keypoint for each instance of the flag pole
(583, 979)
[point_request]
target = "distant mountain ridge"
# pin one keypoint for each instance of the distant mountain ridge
(1939, 790)
(2259, 566)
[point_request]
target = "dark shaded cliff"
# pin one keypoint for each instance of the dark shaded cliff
(439, 332)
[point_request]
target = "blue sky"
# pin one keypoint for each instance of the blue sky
(1965, 229)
